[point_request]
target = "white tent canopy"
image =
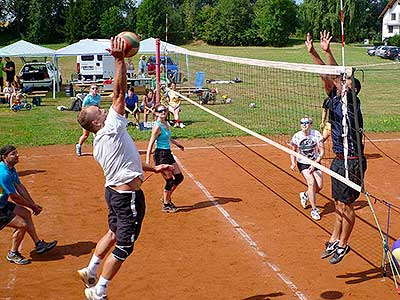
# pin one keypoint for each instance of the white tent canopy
(85, 47)
(25, 49)
(99, 46)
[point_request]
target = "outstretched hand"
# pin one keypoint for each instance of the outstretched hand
(309, 42)
(117, 47)
(325, 40)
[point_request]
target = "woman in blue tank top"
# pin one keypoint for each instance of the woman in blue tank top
(161, 136)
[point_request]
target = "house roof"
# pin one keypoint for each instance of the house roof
(389, 5)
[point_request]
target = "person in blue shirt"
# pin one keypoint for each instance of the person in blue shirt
(17, 214)
(132, 105)
(91, 99)
(161, 136)
(354, 162)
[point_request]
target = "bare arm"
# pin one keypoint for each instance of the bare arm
(120, 85)
(323, 118)
(176, 143)
(325, 41)
(24, 198)
(154, 135)
(293, 158)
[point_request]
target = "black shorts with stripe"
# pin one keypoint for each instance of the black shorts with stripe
(163, 156)
(7, 214)
(126, 211)
(341, 191)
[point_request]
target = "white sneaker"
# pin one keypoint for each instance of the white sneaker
(315, 214)
(176, 125)
(90, 294)
(303, 199)
(181, 125)
(87, 279)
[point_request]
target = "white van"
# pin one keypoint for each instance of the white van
(94, 67)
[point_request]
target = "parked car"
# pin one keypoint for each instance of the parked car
(391, 53)
(171, 67)
(39, 75)
(381, 51)
(371, 51)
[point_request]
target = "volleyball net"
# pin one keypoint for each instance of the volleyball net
(266, 100)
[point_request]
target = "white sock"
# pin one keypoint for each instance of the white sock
(101, 286)
(94, 265)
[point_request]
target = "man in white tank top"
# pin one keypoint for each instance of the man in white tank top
(115, 151)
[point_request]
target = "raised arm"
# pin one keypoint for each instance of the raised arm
(310, 48)
(120, 84)
(325, 41)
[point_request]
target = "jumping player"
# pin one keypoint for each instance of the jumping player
(343, 195)
(161, 136)
(115, 151)
(308, 142)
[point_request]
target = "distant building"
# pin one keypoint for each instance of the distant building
(390, 19)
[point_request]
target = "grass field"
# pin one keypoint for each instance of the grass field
(46, 125)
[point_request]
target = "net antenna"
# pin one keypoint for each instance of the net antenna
(165, 49)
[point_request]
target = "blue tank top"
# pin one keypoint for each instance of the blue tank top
(163, 140)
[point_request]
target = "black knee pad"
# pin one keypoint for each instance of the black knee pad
(178, 179)
(169, 183)
(122, 252)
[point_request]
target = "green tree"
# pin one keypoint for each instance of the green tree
(112, 22)
(275, 20)
(230, 23)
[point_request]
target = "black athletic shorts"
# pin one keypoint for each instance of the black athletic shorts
(302, 167)
(7, 214)
(125, 214)
(341, 191)
(163, 156)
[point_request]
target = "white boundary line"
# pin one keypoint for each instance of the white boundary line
(244, 235)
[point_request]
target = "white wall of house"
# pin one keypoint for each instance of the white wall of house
(391, 21)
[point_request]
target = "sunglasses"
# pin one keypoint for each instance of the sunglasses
(305, 122)
(161, 111)
(94, 88)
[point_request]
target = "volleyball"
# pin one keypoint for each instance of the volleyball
(396, 250)
(132, 43)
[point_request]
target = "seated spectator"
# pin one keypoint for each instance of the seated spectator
(142, 67)
(174, 105)
(148, 105)
(130, 69)
(16, 95)
(132, 105)
(151, 68)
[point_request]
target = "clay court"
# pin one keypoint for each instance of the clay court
(240, 233)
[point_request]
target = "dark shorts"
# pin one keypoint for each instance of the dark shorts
(163, 156)
(7, 214)
(125, 215)
(302, 167)
(1, 83)
(341, 191)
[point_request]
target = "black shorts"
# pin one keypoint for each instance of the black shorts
(302, 166)
(7, 214)
(125, 214)
(163, 156)
(1, 82)
(341, 191)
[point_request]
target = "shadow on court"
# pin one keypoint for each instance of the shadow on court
(331, 295)
(59, 252)
(359, 277)
(205, 204)
(29, 172)
(265, 297)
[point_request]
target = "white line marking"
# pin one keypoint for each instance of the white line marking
(244, 234)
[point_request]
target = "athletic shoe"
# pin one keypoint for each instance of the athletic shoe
(181, 125)
(339, 254)
(303, 199)
(42, 246)
(330, 249)
(87, 279)
(315, 214)
(17, 258)
(169, 208)
(78, 149)
(176, 125)
(90, 294)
